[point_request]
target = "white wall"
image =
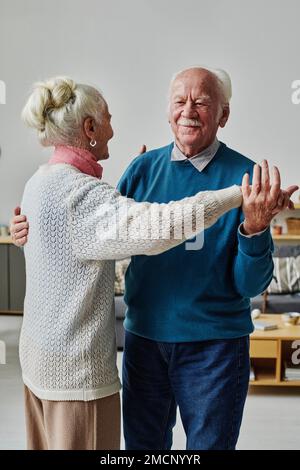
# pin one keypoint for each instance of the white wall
(130, 49)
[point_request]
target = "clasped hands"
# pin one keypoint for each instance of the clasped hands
(263, 199)
(261, 202)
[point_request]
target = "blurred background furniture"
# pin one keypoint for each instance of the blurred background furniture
(12, 277)
(271, 352)
(12, 280)
(278, 303)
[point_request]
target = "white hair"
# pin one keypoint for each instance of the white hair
(225, 83)
(57, 108)
(222, 78)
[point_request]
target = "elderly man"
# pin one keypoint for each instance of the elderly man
(188, 318)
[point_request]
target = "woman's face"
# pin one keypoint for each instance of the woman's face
(103, 134)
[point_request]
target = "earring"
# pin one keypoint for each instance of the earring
(93, 143)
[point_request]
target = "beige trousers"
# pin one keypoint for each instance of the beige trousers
(72, 425)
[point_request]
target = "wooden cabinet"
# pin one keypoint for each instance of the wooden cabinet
(12, 278)
(270, 350)
(263, 348)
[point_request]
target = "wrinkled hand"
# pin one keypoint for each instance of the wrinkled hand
(263, 200)
(284, 201)
(19, 228)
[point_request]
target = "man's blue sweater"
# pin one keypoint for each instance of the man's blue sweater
(192, 295)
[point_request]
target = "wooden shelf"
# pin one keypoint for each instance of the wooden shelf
(269, 350)
(273, 382)
(11, 312)
(286, 237)
(290, 383)
(5, 240)
(261, 381)
(264, 377)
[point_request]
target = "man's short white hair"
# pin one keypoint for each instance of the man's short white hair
(223, 80)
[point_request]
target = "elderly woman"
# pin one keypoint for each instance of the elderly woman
(78, 226)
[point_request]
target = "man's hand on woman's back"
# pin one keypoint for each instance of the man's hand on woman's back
(19, 228)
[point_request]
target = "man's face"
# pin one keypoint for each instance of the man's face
(195, 110)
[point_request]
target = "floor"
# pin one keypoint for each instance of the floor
(271, 418)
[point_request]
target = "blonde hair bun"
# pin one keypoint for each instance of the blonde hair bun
(62, 91)
(47, 96)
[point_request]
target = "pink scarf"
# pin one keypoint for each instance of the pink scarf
(78, 157)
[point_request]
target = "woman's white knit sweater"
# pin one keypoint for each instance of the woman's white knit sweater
(67, 344)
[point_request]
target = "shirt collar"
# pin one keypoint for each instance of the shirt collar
(199, 161)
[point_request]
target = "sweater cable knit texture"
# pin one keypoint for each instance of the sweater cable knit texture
(67, 344)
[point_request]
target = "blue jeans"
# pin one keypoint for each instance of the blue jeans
(207, 380)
